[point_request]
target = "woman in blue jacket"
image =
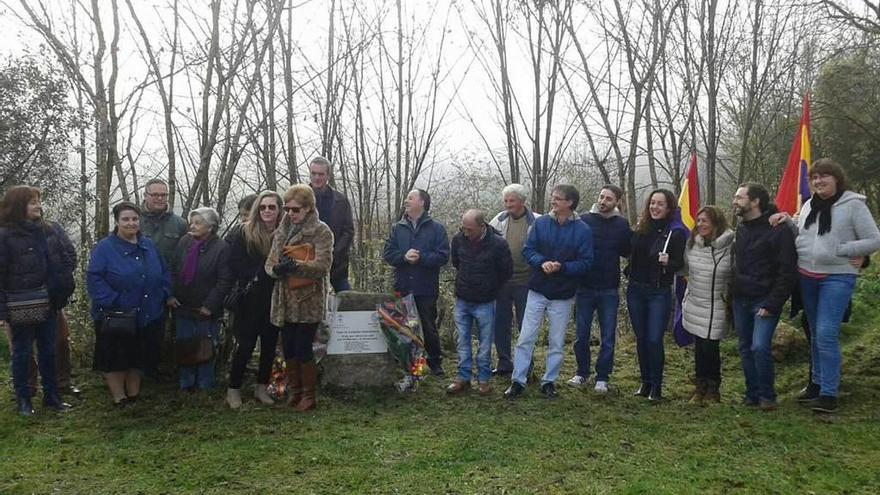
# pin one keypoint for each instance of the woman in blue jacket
(126, 273)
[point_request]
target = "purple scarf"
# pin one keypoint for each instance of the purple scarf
(188, 271)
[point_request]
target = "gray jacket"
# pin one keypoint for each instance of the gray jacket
(710, 273)
(853, 233)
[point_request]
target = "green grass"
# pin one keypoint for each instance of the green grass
(381, 442)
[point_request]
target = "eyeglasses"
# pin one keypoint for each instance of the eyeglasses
(557, 198)
(293, 209)
(268, 207)
(158, 195)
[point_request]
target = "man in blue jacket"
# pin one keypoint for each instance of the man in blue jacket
(559, 249)
(417, 248)
(599, 289)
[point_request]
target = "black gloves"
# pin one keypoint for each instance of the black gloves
(285, 267)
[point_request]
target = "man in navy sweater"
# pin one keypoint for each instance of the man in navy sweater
(599, 289)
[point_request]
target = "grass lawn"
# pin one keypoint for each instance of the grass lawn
(381, 442)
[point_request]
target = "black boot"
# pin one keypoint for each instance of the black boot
(656, 394)
(643, 391)
(24, 407)
(53, 401)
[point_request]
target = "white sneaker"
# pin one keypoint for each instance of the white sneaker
(233, 397)
(577, 381)
(262, 395)
(601, 387)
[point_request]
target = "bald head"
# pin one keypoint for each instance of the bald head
(473, 224)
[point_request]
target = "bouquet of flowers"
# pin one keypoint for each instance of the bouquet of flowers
(400, 324)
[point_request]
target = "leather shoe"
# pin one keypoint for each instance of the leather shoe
(71, 390)
(549, 390)
(24, 407)
(515, 391)
(656, 394)
(458, 387)
(497, 372)
(54, 402)
(643, 391)
(485, 389)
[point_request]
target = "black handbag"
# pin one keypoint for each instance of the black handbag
(120, 321)
(232, 301)
(28, 307)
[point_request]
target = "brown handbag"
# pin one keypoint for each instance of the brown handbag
(300, 253)
(194, 351)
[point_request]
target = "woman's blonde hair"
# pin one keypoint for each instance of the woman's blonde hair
(303, 195)
(257, 237)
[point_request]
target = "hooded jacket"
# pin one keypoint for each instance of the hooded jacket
(611, 241)
(482, 266)
(709, 270)
(430, 239)
(853, 233)
(570, 243)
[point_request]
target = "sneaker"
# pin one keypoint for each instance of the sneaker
(515, 391)
(767, 405)
(549, 390)
(825, 404)
(809, 393)
(577, 381)
(601, 387)
(458, 387)
(485, 389)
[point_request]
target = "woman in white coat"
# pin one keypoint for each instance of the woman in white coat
(705, 310)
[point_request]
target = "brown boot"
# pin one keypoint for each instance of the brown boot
(713, 393)
(309, 376)
(294, 382)
(698, 395)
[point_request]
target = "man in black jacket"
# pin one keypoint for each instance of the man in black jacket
(764, 275)
(334, 209)
(483, 263)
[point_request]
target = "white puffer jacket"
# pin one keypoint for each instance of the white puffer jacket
(709, 270)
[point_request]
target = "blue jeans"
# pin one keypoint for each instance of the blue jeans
(649, 309)
(468, 314)
(23, 337)
(558, 311)
(825, 303)
(201, 376)
(755, 338)
(509, 297)
(604, 302)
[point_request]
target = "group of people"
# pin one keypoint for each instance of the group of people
(276, 267)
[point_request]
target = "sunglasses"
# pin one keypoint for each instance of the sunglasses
(268, 207)
(293, 209)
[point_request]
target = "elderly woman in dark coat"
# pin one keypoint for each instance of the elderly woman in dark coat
(36, 280)
(300, 258)
(202, 278)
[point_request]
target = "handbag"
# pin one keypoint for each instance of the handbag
(119, 321)
(300, 253)
(232, 301)
(194, 351)
(28, 307)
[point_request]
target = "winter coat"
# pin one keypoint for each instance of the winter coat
(250, 267)
(306, 304)
(341, 224)
(611, 241)
(765, 263)
(482, 266)
(126, 275)
(644, 266)
(499, 223)
(853, 233)
(213, 278)
(34, 255)
(429, 238)
(570, 243)
(165, 230)
(710, 271)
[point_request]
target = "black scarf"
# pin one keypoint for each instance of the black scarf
(821, 208)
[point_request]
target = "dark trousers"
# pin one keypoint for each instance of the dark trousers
(510, 298)
(427, 306)
(23, 337)
(296, 339)
(707, 360)
(63, 367)
(251, 325)
(154, 339)
(649, 309)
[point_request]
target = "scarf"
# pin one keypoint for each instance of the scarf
(188, 271)
(821, 208)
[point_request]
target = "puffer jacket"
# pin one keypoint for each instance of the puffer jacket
(853, 233)
(33, 255)
(306, 304)
(213, 278)
(482, 267)
(710, 271)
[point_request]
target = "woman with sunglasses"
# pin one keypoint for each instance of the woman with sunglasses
(300, 259)
(249, 247)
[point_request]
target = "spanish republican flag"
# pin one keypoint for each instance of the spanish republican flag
(689, 200)
(794, 189)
